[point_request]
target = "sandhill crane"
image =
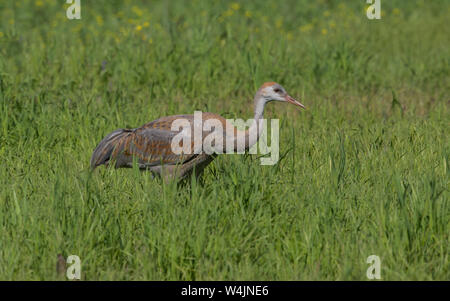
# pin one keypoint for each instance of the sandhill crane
(150, 145)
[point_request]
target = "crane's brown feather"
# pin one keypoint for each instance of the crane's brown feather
(150, 145)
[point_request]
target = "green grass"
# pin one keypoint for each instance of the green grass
(365, 170)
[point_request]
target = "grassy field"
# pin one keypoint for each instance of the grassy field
(364, 171)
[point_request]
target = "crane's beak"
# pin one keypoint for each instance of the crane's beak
(293, 101)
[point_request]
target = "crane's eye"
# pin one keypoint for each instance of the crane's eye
(277, 90)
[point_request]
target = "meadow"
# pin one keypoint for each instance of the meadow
(363, 171)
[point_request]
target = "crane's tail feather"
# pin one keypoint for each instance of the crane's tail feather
(104, 150)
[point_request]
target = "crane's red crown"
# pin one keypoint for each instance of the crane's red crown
(268, 84)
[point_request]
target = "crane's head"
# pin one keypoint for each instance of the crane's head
(272, 91)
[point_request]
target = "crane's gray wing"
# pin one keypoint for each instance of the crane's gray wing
(150, 145)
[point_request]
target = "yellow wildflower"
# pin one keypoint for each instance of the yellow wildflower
(278, 23)
(306, 27)
(99, 20)
(289, 36)
(1, 34)
(39, 3)
(137, 10)
(235, 6)
(146, 24)
(324, 31)
(228, 13)
(138, 28)
(248, 14)
(326, 13)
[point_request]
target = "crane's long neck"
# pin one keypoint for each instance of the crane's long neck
(253, 133)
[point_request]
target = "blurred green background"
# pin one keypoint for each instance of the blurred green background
(363, 171)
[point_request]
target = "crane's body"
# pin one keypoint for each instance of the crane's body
(150, 146)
